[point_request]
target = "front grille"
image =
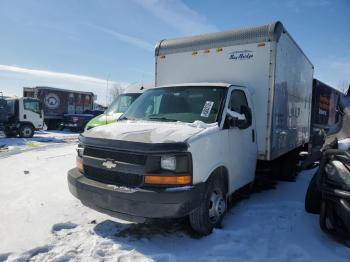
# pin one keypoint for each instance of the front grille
(119, 156)
(112, 177)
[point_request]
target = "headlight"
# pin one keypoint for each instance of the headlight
(330, 171)
(337, 172)
(79, 164)
(168, 163)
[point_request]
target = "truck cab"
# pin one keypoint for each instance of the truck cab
(156, 151)
(24, 116)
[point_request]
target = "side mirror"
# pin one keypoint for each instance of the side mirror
(234, 119)
(240, 120)
(247, 112)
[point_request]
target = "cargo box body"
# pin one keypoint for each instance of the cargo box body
(264, 59)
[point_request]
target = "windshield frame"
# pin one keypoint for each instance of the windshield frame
(221, 107)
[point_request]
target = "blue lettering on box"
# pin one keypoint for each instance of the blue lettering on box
(241, 55)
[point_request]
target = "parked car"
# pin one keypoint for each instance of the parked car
(77, 122)
(225, 106)
(114, 111)
(119, 106)
(328, 193)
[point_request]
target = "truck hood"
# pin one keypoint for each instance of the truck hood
(103, 120)
(149, 131)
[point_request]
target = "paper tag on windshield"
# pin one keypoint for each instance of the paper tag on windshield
(207, 108)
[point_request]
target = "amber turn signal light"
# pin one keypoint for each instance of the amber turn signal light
(79, 164)
(168, 180)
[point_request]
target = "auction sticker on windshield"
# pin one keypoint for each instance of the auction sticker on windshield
(207, 108)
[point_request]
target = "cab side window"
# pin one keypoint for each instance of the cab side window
(237, 100)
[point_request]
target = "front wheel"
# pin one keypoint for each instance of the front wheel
(26, 131)
(313, 198)
(212, 209)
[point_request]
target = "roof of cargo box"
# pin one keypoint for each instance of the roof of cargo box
(270, 32)
(57, 89)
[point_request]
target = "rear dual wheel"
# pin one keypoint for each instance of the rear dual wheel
(10, 133)
(285, 167)
(212, 209)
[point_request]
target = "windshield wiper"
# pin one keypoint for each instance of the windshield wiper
(124, 118)
(163, 119)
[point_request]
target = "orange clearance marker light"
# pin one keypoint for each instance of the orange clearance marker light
(168, 180)
(162, 57)
(261, 44)
(206, 51)
(218, 49)
(194, 53)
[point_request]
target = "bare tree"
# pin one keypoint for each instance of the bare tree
(114, 91)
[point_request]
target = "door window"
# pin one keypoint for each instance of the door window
(32, 105)
(237, 100)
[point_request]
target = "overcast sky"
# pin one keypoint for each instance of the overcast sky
(79, 44)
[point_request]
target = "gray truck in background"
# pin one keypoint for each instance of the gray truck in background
(325, 112)
(57, 102)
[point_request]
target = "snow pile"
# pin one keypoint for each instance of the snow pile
(41, 221)
(148, 131)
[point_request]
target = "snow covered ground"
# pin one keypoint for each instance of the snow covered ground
(9, 146)
(41, 221)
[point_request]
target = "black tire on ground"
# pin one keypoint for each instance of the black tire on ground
(26, 131)
(288, 166)
(212, 209)
(313, 198)
(53, 124)
(10, 134)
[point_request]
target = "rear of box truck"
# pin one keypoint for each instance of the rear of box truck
(291, 93)
(264, 59)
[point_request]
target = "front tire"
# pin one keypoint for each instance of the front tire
(212, 209)
(26, 131)
(313, 198)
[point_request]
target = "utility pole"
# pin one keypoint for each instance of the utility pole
(107, 89)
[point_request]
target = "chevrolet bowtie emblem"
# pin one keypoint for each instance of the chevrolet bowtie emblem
(109, 164)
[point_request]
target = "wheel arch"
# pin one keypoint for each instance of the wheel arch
(221, 171)
(25, 123)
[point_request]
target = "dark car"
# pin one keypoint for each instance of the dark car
(77, 122)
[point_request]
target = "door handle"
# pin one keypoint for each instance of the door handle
(253, 135)
(25, 116)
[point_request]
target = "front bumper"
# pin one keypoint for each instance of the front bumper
(135, 204)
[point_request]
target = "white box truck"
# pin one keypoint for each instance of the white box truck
(20, 116)
(225, 105)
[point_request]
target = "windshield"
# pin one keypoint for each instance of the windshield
(185, 104)
(32, 105)
(121, 103)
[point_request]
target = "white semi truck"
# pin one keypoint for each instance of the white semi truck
(225, 106)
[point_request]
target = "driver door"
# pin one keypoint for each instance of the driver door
(30, 111)
(242, 139)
